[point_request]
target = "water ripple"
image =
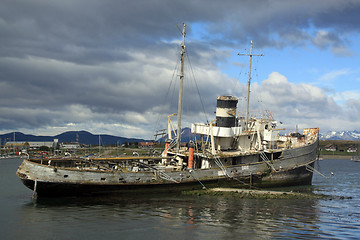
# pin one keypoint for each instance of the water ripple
(178, 217)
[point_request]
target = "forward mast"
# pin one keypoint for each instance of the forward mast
(178, 140)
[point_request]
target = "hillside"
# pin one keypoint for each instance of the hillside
(83, 137)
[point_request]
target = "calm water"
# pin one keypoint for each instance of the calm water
(178, 217)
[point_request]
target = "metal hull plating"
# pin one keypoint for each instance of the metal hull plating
(291, 168)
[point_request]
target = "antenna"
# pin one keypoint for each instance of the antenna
(248, 92)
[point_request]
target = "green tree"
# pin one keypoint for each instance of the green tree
(44, 148)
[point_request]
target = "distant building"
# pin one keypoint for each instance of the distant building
(70, 145)
(31, 144)
(330, 147)
(351, 149)
(146, 144)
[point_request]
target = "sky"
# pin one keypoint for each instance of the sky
(112, 66)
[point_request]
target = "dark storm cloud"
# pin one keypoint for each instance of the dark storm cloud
(93, 29)
(279, 23)
(80, 60)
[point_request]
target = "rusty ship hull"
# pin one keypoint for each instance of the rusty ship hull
(65, 177)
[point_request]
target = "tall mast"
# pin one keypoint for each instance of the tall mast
(181, 89)
(249, 81)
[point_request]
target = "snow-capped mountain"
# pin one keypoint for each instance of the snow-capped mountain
(341, 135)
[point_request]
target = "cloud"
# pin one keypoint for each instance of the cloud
(304, 104)
(347, 97)
(342, 51)
(324, 39)
(107, 65)
(91, 33)
(55, 93)
(333, 75)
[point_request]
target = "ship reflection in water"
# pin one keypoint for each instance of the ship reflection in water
(170, 216)
(204, 217)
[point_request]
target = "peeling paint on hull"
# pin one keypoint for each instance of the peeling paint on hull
(297, 176)
(292, 168)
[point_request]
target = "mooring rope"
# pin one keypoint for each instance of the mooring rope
(267, 160)
(313, 170)
(162, 174)
(34, 192)
(191, 171)
(221, 166)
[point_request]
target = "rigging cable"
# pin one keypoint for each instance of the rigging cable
(192, 172)
(313, 170)
(223, 169)
(267, 161)
(166, 97)
(161, 173)
(237, 82)
(197, 88)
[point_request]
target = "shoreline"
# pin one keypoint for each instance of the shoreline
(341, 157)
(253, 193)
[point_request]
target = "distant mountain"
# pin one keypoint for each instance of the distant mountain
(341, 135)
(331, 135)
(186, 135)
(19, 136)
(88, 138)
(83, 137)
